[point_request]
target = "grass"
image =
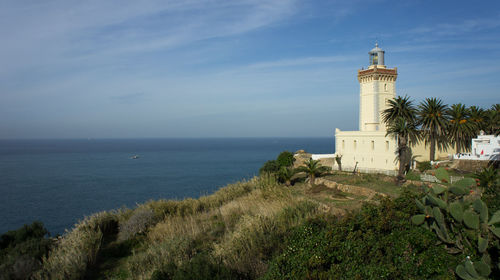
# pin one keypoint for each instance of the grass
(238, 229)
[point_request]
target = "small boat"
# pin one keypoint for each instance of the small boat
(134, 157)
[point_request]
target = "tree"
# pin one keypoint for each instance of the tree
(477, 118)
(400, 119)
(285, 158)
(271, 166)
(459, 126)
(493, 120)
(434, 121)
(404, 131)
(313, 168)
(285, 175)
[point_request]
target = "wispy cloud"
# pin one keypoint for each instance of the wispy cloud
(132, 98)
(456, 28)
(58, 32)
(313, 61)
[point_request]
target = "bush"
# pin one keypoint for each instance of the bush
(271, 166)
(379, 241)
(139, 222)
(22, 250)
(285, 159)
(412, 176)
(423, 166)
(201, 266)
(77, 250)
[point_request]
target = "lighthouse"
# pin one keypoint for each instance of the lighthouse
(377, 85)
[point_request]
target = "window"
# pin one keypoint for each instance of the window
(355, 144)
(387, 145)
(343, 144)
(373, 145)
(385, 87)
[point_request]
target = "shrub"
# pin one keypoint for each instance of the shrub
(22, 250)
(256, 239)
(376, 242)
(285, 159)
(412, 176)
(139, 222)
(201, 266)
(462, 223)
(77, 250)
(271, 166)
(423, 166)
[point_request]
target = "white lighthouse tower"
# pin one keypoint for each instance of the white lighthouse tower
(377, 85)
(369, 149)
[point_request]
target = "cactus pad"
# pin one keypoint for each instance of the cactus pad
(471, 219)
(465, 183)
(442, 175)
(495, 219)
(437, 189)
(458, 190)
(418, 219)
(482, 268)
(482, 209)
(457, 211)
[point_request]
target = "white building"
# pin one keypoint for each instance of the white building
(369, 148)
(484, 147)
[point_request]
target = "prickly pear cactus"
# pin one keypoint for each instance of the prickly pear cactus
(442, 175)
(461, 223)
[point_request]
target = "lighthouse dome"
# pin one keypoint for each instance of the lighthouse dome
(376, 56)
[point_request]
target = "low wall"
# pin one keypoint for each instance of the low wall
(469, 165)
(349, 188)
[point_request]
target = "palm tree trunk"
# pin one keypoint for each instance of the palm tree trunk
(400, 179)
(432, 149)
(458, 139)
(312, 179)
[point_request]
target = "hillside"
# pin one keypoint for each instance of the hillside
(344, 227)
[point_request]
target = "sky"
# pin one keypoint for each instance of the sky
(279, 68)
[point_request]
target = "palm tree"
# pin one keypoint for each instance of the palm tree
(478, 120)
(405, 132)
(492, 125)
(400, 119)
(285, 175)
(313, 168)
(459, 126)
(400, 107)
(433, 118)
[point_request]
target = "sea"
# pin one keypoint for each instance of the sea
(59, 182)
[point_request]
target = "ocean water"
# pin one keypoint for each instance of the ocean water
(59, 182)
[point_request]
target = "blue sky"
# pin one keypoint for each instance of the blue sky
(113, 69)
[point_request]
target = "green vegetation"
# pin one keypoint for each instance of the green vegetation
(434, 122)
(437, 124)
(343, 226)
(402, 125)
(423, 166)
(376, 242)
(313, 169)
(462, 224)
(22, 250)
(284, 159)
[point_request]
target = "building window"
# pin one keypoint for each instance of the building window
(387, 145)
(343, 144)
(355, 144)
(385, 87)
(373, 145)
